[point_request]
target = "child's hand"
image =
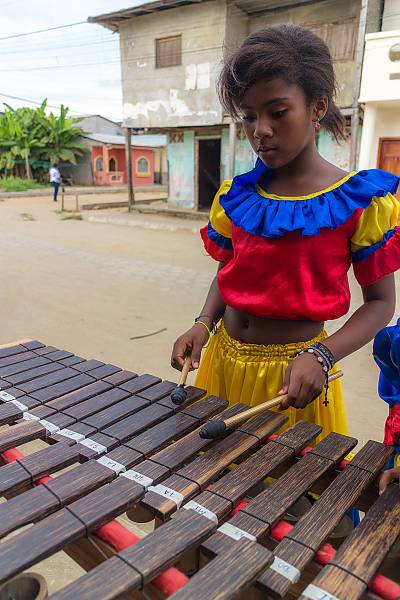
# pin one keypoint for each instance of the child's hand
(387, 477)
(304, 381)
(190, 342)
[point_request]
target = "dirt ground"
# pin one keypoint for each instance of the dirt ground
(93, 288)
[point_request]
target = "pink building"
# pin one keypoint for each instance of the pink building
(108, 162)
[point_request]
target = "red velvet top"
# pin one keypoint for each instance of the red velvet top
(289, 258)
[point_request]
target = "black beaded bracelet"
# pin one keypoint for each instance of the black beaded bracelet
(325, 364)
(320, 359)
(325, 353)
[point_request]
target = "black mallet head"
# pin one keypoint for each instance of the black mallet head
(179, 395)
(212, 430)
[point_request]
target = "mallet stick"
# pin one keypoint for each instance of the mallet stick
(216, 427)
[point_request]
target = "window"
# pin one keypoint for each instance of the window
(340, 37)
(169, 52)
(99, 164)
(112, 164)
(142, 167)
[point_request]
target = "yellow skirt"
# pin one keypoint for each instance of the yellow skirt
(254, 373)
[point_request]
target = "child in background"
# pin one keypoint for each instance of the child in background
(387, 357)
(285, 234)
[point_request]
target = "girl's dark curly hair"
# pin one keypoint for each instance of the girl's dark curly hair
(289, 52)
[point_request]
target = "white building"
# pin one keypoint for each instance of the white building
(380, 94)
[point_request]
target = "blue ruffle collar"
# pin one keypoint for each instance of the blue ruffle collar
(272, 217)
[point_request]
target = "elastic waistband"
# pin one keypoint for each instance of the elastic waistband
(260, 351)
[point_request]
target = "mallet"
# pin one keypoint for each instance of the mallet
(217, 427)
(179, 394)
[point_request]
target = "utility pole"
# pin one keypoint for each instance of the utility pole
(358, 59)
(128, 160)
(232, 149)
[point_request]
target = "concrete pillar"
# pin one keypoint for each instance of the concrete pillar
(128, 160)
(105, 158)
(232, 149)
(368, 150)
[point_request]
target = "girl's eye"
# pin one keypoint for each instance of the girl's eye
(278, 114)
(247, 118)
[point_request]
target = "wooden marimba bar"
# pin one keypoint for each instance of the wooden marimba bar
(132, 450)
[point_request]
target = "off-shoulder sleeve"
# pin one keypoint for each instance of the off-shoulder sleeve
(375, 245)
(217, 234)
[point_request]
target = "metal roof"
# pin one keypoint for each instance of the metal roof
(112, 20)
(144, 141)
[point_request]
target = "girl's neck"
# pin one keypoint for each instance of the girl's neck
(306, 174)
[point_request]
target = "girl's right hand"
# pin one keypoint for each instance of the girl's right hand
(387, 477)
(190, 342)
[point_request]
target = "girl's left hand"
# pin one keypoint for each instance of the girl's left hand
(304, 381)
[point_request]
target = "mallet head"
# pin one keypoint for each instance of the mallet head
(178, 395)
(212, 430)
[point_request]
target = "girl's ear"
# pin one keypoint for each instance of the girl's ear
(319, 108)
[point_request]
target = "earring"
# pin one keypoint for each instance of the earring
(317, 124)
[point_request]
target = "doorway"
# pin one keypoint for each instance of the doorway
(389, 155)
(209, 171)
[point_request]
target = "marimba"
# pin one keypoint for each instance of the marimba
(132, 450)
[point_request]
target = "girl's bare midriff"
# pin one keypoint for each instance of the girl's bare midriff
(250, 329)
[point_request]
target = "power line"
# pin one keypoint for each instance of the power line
(106, 62)
(18, 35)
(126, 38)
(36, 49)
(40, 103)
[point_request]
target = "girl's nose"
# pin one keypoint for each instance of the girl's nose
(263, 129)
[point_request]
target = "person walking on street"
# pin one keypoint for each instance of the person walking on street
(55, 180)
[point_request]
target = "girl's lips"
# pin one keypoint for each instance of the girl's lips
(264, 150)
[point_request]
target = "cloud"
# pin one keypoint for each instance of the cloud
(79, 65)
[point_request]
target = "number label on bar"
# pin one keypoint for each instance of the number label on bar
(99, 448)
(235, 533)
(111, 464)
(315, 593)
(6, 397)
(285, 569)
(201, 510)
(145, 481)
(167, 492)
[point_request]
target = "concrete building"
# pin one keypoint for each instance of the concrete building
(380, 94)
(100, 124)
(171, 52)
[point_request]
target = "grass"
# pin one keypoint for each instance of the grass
(27, 217)
(16, 184)
(71, 218)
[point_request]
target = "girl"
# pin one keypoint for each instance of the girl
(285, 234)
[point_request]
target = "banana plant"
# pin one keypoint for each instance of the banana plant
(32, 137)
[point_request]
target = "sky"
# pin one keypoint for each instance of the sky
(76, 66)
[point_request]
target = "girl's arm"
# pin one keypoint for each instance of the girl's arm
(193, 340)
(304, 378)
(376, 312)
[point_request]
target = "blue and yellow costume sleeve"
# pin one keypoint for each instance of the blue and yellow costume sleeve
(375, 245)
(387, 357)
(217, 234)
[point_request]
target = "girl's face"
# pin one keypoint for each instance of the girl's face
(278, 122)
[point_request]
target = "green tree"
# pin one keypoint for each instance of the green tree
(60, 134)
(31, 137)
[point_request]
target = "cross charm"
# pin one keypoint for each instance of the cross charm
(325, 402)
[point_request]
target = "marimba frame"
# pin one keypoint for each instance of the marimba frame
(87, 554)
